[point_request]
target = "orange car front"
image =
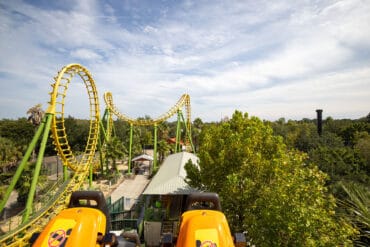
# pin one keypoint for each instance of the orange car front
(79, 226)
(204, 228)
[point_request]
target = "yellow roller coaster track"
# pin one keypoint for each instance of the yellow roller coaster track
(21, 235)
(57, 108)
(107, 132)
(183, 101)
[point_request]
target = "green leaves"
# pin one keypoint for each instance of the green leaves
(266, 189)
(357, 209)
(9, 153)
(114, 151)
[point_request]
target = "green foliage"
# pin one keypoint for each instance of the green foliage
(342, 151)
(163, 149)
(339, 162)
(357, 209)
(362, 146)
(367, 119)
(336, 126)
(77, 133)
(349, 133)
(196, 130)
(9, 154)
(145, 133)
(124, 134)
(163, 131)
(24, 183)
(153, 214)
(299, 135)
(115, 150)
(266, 189)
(20, 132)
(3, 189)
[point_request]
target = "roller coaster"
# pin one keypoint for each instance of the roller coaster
(184, 101)
(80, 166)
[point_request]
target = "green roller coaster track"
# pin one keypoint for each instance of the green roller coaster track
(82, 166)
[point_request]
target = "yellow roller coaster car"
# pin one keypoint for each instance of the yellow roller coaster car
(84, 223)
(204, 228)
(204, 225)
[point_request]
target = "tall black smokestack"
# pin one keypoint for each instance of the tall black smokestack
(319, 121)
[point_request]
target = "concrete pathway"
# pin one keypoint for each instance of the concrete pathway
(130, 188)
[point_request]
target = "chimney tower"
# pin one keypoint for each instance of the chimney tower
(319, 121)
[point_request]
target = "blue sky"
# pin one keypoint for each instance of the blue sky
(271, 59)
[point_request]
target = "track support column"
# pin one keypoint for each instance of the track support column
(155, 147)
(188, 133)
(91, 175)
(178, 132)
(130, 149)
(65, 173)
(100, 149)
(23, 164)
(40, 157)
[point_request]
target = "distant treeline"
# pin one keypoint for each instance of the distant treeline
(342, 150)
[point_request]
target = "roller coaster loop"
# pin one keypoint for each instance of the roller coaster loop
(81, 166)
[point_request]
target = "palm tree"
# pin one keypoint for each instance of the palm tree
(115, 150)
(163, 131)
(358, 210)
(196, 130)
(35, 117)
(163, 150)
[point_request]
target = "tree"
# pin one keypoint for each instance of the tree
(145, 133)
(35, 115)
(349, 134)
(163, 131)
(266, 189)
(196, 130)
(115, 150)
(363, 147)
(20, 131)
(24, 183)
(163, 149)
(77, 132)
(301, 135)
(9, 155)
(358, 210)
(337, 162)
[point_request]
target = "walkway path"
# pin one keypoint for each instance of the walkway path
(130, 188)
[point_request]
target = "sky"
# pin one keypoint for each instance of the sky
(271, 59)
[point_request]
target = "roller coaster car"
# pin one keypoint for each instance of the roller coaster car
(204, 225)
(85, 222)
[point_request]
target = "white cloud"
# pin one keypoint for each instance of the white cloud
(274, 59)
(85, 54)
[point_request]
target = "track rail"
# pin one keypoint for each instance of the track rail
(21, 235)
(183, 101)
(57, 108)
